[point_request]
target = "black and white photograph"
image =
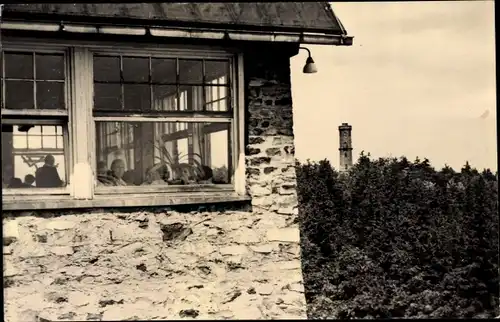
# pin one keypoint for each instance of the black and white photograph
(249, 160)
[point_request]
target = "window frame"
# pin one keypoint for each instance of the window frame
(79, 79)
(173, 116)
(43, 191)
(51, 117)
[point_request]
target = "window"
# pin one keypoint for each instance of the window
(160, 121)
(34, 132)
(138, 145)
(163, 153)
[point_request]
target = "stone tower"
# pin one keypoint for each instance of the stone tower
(345, 146)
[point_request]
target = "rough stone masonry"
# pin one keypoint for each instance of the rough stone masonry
(170, 264)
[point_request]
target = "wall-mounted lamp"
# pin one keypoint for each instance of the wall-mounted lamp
(310, 66)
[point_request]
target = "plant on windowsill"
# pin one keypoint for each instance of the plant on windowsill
(180, 169)
(182, 172)
(220, 175)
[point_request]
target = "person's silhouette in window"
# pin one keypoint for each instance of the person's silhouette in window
(29, 180)
(103, 174)
(130, 177)
(117, 172)
(15, 183)
(47, 176)
(155, 175)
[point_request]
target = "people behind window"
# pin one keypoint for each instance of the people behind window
(47, 175)
(29, 180)
(131, 177)
(205, 174)
(220, 175)
(117, 172)
(164, 172)
(185, 173)
(15, 183)
(102, 168)
(156, 175)
(112, 177)
(104, 176)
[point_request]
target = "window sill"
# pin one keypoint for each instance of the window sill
(155, 189)
(33, 192)
(131, 200)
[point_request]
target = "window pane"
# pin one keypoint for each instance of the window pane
(180, 126)
(34, 141)
(31, 165)
(162, 153)
(19, 95)
(190, 71)
(20, 142)
(107, 97)
(218, 141)
(165, 97)
(107, 69)
(19, 65)
(136, 69)
(30, 128)
(50, 129)
(217, 70)
(137, 97)
(216, 98)
(183, 102)
(1, 80)
(49, 142)
(191, 98)
(49, 67)
(50, 95)
(59, 141)
(163, 70)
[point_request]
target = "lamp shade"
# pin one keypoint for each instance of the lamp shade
(310, 66)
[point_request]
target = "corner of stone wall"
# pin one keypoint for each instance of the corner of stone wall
(270, 152)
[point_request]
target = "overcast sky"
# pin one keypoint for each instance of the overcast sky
(418, 81)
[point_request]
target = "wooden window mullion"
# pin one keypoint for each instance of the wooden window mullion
(82, 124)
(34, 82)
(122, 85)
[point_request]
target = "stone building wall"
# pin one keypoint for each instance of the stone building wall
(209, 262)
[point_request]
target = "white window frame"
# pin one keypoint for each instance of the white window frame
(54, 117)
(81, 158)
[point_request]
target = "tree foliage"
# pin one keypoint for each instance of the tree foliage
(394, 238)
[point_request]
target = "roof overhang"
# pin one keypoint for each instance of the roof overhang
(298, 37)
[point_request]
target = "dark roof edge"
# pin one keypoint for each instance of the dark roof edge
(40, 17)
(58, 28)
(329, 9)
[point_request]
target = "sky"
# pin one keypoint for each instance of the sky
(419, 80)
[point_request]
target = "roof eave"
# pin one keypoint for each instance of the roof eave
(49, 14)
(300, 37)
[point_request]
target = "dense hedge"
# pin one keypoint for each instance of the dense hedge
(394, 238)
